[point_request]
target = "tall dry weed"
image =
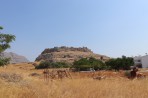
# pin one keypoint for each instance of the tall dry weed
(80, 86)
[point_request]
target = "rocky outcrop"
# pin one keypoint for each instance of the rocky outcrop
(15, 58)
(68, 54)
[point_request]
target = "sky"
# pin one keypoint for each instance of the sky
(109, 27)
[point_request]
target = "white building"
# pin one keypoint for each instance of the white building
(141, 61)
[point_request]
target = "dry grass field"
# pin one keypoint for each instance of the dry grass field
(16, 81)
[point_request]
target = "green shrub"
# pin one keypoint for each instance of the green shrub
(60, 65)
(123, 63)
(87, 63)
(48, 64)
(4, 61)
(43, 64)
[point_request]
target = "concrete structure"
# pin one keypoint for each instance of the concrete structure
(141, 61)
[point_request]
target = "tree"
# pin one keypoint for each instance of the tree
(87, 63)
(1, 28)
(5, 40)
(120, 63)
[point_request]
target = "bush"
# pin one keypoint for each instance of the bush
(123, 63)
(85, 64)
(4, 61)
(60, 65)
(43, 64)
(48, 64)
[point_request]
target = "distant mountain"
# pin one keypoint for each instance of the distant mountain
(15, 58)
(68, 54)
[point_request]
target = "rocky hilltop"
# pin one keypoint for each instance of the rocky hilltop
(68, 54)
(15, 58)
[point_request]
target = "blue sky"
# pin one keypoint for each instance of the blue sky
(110, 27)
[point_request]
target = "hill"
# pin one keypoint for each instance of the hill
(68, 54)
(15, 58)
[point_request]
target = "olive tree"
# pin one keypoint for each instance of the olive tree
(5, 40)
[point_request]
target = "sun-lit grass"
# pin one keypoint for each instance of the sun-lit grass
(35, 87)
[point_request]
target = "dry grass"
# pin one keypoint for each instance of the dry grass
(80, 86)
